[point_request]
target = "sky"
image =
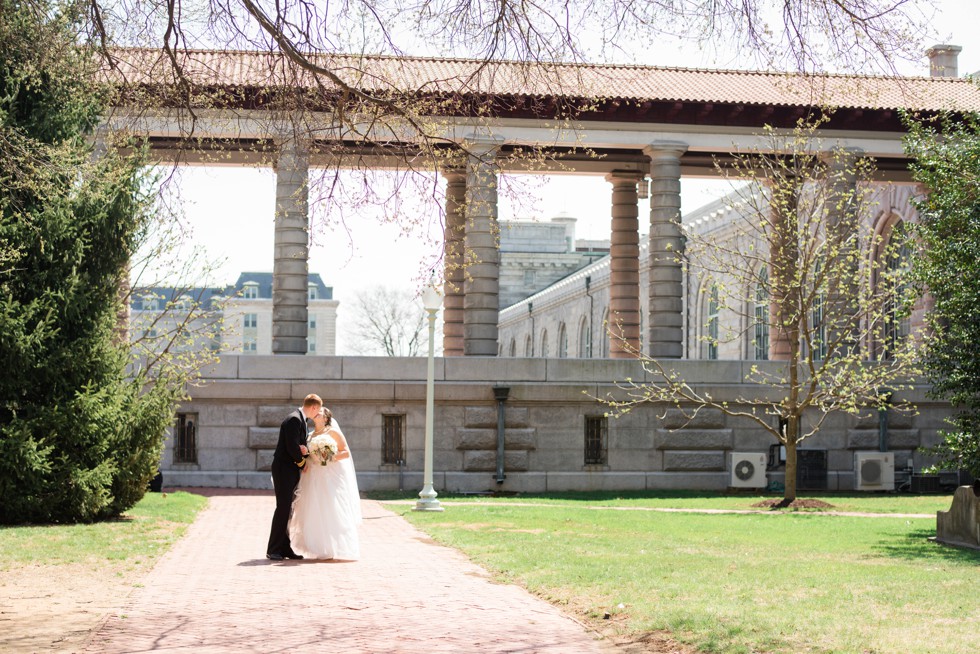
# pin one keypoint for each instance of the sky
(228, 212)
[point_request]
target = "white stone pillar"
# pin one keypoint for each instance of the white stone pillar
(290, 272)
(624, 266)
(482, 287)
(666, 318)
(452, 330)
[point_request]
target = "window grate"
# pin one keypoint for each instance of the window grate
(393, 438)
(595, 440)
(185, 438)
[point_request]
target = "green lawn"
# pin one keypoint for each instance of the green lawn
(768, 582)
(738, 501)
(138, 537)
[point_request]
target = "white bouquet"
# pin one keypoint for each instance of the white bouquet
(323, 448)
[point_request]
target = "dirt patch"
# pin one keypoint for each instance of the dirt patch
(653, 642)
(795, 505)
(53, 608)
(611, 627)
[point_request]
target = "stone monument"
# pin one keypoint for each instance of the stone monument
(960, 526)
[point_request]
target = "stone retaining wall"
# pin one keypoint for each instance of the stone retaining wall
(653, 446)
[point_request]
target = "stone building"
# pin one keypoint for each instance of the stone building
(570, 318)
(235, 318)
(536, 254)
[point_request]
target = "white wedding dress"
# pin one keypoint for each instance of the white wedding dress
(327, 511)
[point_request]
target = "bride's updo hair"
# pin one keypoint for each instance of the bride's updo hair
(327, 415)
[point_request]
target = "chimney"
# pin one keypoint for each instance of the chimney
(569, 223)
(942, 60)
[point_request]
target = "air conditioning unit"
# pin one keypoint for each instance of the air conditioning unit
(874, 471)
(749, 469)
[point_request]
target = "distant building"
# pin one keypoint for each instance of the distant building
(569, 317)
(232, 319)
(536, 254)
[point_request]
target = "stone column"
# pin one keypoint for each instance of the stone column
(624, 266)
(452, 330)
(290, 272)
(666, 318)
(482, 286)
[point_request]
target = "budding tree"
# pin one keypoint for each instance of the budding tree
(388, 321)
(822, 296)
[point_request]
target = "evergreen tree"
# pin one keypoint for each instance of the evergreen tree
(947, 164)
(81, 430)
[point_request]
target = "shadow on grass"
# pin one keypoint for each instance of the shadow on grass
(916, 546)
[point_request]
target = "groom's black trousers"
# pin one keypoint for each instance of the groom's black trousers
(285, 478)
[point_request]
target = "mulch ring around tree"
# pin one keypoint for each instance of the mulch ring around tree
(796, 505)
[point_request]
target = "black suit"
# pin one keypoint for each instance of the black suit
(286, 465)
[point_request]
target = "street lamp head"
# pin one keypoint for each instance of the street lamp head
(431, 298)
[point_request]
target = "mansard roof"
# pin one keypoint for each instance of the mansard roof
(211, 297)
(612, 92)
(264, 282)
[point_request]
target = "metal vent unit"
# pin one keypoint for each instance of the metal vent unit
(874, 471)
(749, 469)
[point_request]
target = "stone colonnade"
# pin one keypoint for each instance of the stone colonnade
(471, 290)
(472, 260)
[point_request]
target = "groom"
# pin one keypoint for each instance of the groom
(287, 462)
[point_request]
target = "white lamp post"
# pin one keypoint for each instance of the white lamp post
(431, 300)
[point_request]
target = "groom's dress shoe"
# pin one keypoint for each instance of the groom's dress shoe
(274, 557)
(293, 555)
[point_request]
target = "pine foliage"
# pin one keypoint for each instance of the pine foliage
(947, 164)
(80, 436)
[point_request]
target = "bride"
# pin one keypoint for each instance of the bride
(327, 506)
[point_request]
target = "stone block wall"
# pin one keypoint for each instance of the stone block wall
(239, 409)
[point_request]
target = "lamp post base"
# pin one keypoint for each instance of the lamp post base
(427, 501)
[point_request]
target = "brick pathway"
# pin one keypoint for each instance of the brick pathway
(216, 592)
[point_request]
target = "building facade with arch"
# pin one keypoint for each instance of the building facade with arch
(578, 306)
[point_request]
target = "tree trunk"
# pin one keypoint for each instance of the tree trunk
(792, 433)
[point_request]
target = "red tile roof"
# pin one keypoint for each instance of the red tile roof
(628, 83)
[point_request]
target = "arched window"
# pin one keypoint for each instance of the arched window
(818, 320)
(528, 346)
(897, 259)
(544, 344)
(711, 326)
(605, 335)
(760, 331)
(562, 341)
(642, 344)
(584, 339)
(513, 347)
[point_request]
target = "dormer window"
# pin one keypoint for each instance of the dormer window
(250, 291)
(312, 291)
